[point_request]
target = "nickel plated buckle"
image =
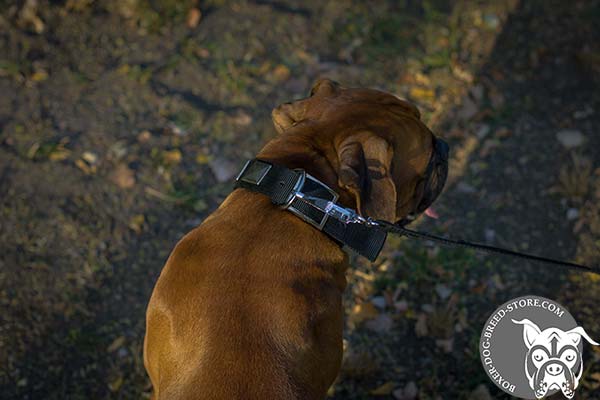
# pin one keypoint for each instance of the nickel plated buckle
(326, 206)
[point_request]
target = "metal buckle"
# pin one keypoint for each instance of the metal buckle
(326, 206)
(257, 171)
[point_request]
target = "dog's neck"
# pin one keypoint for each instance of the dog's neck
(260, 215)
(295, 152)
(268, 223)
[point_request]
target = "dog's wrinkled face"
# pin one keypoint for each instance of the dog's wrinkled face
(553, 360)
(370, 146)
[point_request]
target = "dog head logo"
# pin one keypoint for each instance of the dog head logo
(553, 360)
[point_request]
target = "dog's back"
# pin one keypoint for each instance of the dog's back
(248, 310)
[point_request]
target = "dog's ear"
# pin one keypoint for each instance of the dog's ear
(577, 333)
(324, 87)
(530, 331)
(365, 161)
(288, 114)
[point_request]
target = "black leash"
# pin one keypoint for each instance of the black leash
(392, 228)
(316, 203)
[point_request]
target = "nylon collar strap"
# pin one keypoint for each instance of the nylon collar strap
(314, 202)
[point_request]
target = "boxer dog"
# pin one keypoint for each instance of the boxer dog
(553, 360)
(249, 303)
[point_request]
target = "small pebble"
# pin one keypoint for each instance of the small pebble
(570, 138)
(465, 188)
(491, 20)
(483, 131)
(381, 324)
(401, 305)
(481, 392)
(443, 291)
(122, 352)
(410, 391)
(378, 301)
(572, 214)
(489, 235)
(428, 308)
(223, 169)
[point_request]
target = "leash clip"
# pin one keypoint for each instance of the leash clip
(346, 215)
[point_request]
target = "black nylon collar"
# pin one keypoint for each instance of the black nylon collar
(314, 202)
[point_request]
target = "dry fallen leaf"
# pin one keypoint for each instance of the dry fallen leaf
(421, 325)
(193, 18)
(242, 118)
(82, 165)
(362, 312)
(89, 157)
(447, 345)
(136, 223)
(28, 16)
(172, 157)
(592, 381)
(384, 390)
(358, 364)
(502, 133)
(118, 342)
(144, 136)
(123, 177)
(59, 154)
(281, 73)
(116, 384)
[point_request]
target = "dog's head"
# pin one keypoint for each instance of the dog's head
(370, 146)
(553, 360)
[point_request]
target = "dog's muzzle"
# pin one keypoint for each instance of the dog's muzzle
(433, 180)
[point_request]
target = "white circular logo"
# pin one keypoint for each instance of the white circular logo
(531, 348)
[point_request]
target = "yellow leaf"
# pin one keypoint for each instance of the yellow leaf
(202, 158)
(331, 391)
(422, 78)
(593, 277)
(39, 76)
(123, 69)
(172, 156)
(59, 155)
(384, 390)
(82, 165)
(116, 384)
(423, 94)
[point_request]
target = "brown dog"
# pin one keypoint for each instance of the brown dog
(249, 304)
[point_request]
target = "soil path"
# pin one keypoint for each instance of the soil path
(121, 124)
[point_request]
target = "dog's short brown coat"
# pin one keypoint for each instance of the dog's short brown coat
(249, 304)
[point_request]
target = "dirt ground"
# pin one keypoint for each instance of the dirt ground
(122, 123)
